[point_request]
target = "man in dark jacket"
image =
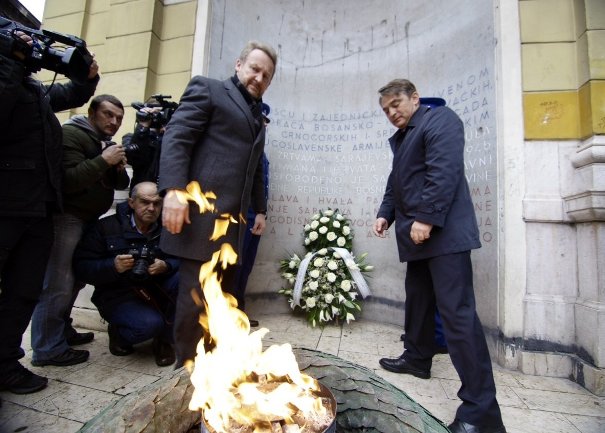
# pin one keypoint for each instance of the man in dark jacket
(135, 282)
(30, 191)
(428, 198)
(216, 137)
(94, 168)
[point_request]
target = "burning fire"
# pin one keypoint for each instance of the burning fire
(236, 383)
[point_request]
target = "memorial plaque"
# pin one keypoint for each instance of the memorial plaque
(327, 141)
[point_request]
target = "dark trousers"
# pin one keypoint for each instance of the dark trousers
(249, 250)
(446, 282)
(25, 245)
(187, 329)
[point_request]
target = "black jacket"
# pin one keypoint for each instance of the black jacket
(427, 184)
(31, 144)
(94, 259)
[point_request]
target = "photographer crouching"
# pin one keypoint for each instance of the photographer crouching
(135, 282)
(144, 145)
(30, 175)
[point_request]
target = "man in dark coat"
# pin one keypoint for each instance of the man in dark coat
(216, 137)
(30, 191)
(135, 282)
(428, 198)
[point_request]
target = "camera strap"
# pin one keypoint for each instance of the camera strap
(156, 297)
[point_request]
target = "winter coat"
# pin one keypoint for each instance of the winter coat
(31, 143)
(94, 259)
(427, 184)
(212, 138)
(89, 180)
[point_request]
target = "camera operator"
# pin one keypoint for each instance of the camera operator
(30, 191)
(144, 145)
(135, 282)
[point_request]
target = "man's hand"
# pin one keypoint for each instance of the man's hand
(420, 232)
(123, 262)
(93, 70)
(175, 211)
(380, 227)
(260, 222)
(157, 267)
(114, 154)
(151, 111)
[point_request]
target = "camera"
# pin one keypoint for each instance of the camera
(143, 258)
(159, 119)
(73, 62)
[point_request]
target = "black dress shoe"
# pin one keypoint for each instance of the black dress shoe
(117, 347)
(163, 353)
(22, 381)
(400, 365)
(253, 323)
(463, 427)
(69, 357)
(78, 338)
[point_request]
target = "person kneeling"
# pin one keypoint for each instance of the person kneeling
(135, 282)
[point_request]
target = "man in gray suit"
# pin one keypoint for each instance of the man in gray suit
(216, 137)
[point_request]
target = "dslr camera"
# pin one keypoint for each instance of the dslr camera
(143, 258)
(73, 62)
(162, 117)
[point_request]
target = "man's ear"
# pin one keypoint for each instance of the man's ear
(131, 202)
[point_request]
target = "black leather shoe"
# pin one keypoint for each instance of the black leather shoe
(116, 346)
(69, 357)
(163, 352)
(463, 427)
(22, 381)
(400, 365)
(253, 323)
(78, 338)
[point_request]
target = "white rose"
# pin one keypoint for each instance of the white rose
(288, 275)
(332, 265)
(318, 262)
(308, 254)
(314, 225)
(331, 277)
(314, 273)
(307, 241)
(315, 217)
(341, 242)
(310, 302)
(313, 236)
(323, 252)
(292, 264)
(329, 298)
(292, 280)
(313, 285)
(336, 255)
(345, 285)
(331, 236)
(339, 217)
(323, 230)
(329, 212)
(324, 220)
(336, 224)
(307, 227)
(346, 230)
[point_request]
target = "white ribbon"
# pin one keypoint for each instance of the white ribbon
(345, 255)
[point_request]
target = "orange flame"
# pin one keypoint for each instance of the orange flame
(236, 381)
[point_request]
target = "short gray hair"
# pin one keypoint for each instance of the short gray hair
(265, 48)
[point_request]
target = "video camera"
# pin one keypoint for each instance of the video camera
(73, 62)
(143, 258)
(159, 119)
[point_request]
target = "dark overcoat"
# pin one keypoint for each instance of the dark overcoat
(427, 184)
(212, 139)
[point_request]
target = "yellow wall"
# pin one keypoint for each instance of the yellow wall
(563, 57)
(142, 47)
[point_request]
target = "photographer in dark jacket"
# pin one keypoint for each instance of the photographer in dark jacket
(30, 191)
(135, 282)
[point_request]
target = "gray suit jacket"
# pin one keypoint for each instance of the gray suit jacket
(211, 139)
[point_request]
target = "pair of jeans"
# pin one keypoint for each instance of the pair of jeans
(138, 321)
(59, 292)
(25, 244)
